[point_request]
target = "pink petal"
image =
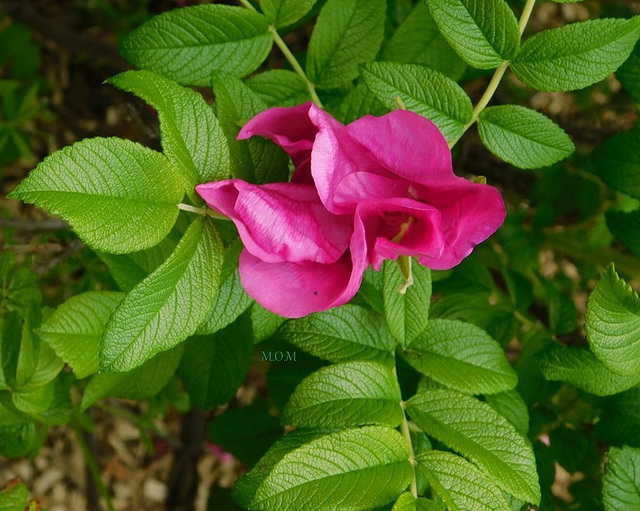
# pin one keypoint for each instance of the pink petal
(289, 127)
(280, 222)
(406, 144)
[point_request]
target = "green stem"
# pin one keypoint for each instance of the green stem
(406, 433)
(289, 56)
(497, 76)
(92, 464)
(204, 211)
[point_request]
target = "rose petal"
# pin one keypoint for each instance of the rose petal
(280, 222)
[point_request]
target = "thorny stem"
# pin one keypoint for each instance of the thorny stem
(290, 57)
(92, 464)
(497, 76)
(406, 433)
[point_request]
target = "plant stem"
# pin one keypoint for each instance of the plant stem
(497, 76)
(406, 433)
(92, 464)
(204, 211)
(290, 57)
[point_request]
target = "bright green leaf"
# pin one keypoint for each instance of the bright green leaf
(347, 34)
(461, 356)
(117, 195)
(617, 162)
(460, 484)
(613, 324)
(423, 91)
(285, 12)
(280, 87)
(418, 41)
(189, 45)
(407, 502)
(213, 367)
(477, 431)
(350, 469)
(14, 496)
(523, 137)
(576, 55)
(192, 138)
(512, 407)
(166, 307)
(621, 480)
(406, 313)
(346, 394)
(483, 32)
(344, 333)
(75, 329)
(357, 103)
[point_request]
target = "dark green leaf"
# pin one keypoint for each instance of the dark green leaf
(279, 87)
(617, 162)
(626, 227)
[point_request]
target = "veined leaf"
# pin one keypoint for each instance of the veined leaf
(357, 103)
(613, 324)
(461, 356)
(285, 12)
(350, 469)
(347, 34)
(117, 195)
(483, 32)
(576, 55)
(418, 41)
(346, 394)
(512, 407)
(617, 162)
(344, 333)
(460, 484)
(406, 313)
(523, 137)
(192, 138)
(423, 91)
(477, 431)
(581, 368)
(626, 227)
(279, 87)
(75, 329)
(189, 45)
(166, 307)
(629, 74)
(407, 502)
(621, 480)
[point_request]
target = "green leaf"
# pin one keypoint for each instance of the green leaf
(33, 399)
(347, 34)
(461, 356)
(117, 195)
(407, 502)
(231, 300)
(481, 434)
(245, 432)
(511, 406)
(357, 103)
(285, 12)
(16, 440)
(523, 137)
(460, 484)
(483, 32)
(346, 394)
(14, 496)
(626, 227)
(192, 138)
(279, 87)
(613, 324)
(213, 367)
(265, 323)
(418, 41)
(142, 382)
(581, 368)
(617, 162)
(344, 333)
(406, 313)
(621, 480)
(256, 160)
(423, 91)
(629, 74)
(576, 55)
(166, 307)
(619, 422)
(74, 330)
(189, 45)
(350, 469)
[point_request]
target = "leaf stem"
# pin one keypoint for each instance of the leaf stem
(92, 464)
(204, 211)
(497, 76)
(406, 433)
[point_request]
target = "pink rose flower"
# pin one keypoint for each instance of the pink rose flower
(375, 189)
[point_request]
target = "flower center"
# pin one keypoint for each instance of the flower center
(399, 222)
